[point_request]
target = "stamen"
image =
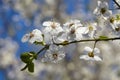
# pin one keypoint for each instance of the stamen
(53, 25)
(55, 55)
(90, 28)
(31, 35)
(91, 54)
(103, 10)
(72, 31)
(117, 29)
(71, 24)
(112, 20)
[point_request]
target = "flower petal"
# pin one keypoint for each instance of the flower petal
(25, 38)
(87, 50)
(97, 58)
(85, 57)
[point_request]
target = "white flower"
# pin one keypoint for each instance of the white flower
(102, 10)
(73, 23)
(72, 31)
(90, 54)
(52, 28)
(54, 54)
(35, 35)
(116, 28)
(91, 29)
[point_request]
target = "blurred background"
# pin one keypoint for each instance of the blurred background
(18, 17)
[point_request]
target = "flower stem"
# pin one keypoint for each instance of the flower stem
(45, 47)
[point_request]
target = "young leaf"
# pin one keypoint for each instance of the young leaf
(118, 17)
(103, 37)
(41, 43)
(31, 67)
(65, 43)
(25, 57)
(33, 54)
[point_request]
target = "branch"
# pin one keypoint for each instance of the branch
(116, 3)
(45, 47)
(88, 40)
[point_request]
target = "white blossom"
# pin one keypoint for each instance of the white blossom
(72, 31)
(35, 35)
(116, 28)
(91, 29)
(102, 10)
(52, 28)
(90, 54)
(54, 54)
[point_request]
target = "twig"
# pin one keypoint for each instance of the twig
(116, 3)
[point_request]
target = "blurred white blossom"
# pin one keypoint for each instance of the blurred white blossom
(8, 50)
(102, 10)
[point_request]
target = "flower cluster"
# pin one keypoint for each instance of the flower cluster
(54, 36)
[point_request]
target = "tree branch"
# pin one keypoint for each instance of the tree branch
(45, 47)
(88, 40)
(116, 3)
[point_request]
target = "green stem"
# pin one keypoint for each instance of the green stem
(89, 40)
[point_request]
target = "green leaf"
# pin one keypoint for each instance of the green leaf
(118, 17)
(39, 43)
(25, 57)
(33, 54)
(103, 37)
(31, 67)
(65, 43)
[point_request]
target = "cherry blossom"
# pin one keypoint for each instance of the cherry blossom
(102, 10)
(35, 35)
(54, 54)
(90, 54)
(73, 30)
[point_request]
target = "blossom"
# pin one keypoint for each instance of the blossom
(73, 23)
(35, 35)
(102, 10)
(52, 28)
(91, 29)
(90, 54)
(54, 54)
(72, 31)
(116, 28)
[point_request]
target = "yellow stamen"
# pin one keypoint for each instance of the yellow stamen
(112, 20)
(53, 25)
(91, 54)
(90, 28)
